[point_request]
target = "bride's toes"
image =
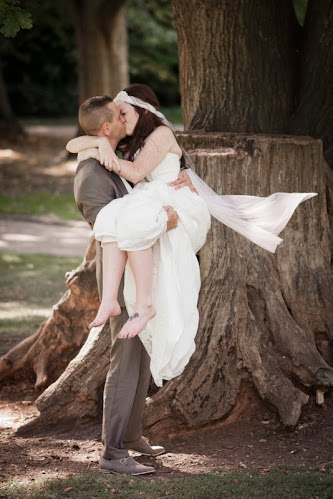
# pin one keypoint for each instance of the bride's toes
(125, 330)
(136, 323)
(104, 312)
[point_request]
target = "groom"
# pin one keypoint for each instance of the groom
(127, 381)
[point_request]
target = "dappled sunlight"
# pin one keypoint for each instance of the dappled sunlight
(20, 237)
(20, 310)
(70, 239)
(54, 131)
(63, 168)
(6, 154)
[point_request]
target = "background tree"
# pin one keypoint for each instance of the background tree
(42, 79)
(12, 19)
(101, 35)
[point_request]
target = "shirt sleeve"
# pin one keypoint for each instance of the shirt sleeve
(93, 194)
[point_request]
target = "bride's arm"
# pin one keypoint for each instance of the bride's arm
(84, 142)
(157, 145)
(95, 147)
(88, 153)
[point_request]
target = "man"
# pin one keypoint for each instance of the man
(127, 381)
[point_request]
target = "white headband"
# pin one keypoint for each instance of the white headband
(134, 101)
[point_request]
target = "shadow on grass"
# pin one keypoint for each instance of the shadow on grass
(291, 482)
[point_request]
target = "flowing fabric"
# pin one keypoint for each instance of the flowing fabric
(259, 219)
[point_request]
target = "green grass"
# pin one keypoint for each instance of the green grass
(288, 483)
(40, 203)
(29, 286)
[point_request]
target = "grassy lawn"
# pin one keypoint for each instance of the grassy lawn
(30, 285)
(292, 482)
(40, 203)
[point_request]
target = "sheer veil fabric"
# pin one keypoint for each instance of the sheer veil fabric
(259, 219)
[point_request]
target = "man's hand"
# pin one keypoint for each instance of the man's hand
(184, 181)
(172, 217)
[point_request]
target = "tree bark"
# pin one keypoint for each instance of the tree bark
(42, 357)
(9, 126)
(315, 108)
(237, 61)
(266, 320)
(101, 33)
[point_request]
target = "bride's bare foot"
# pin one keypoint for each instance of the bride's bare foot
(137, 321)
(105, 311)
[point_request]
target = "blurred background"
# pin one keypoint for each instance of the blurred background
(40, 65)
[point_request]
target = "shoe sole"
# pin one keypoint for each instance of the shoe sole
(151, 455)
(123, 473)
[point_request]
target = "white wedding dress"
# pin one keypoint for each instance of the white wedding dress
(138, 221)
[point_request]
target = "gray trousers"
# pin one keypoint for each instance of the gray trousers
(125, 391)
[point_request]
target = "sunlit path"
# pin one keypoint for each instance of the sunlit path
(42, 235)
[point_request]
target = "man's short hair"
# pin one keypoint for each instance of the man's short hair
(93, 113)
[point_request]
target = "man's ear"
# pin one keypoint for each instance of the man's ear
(106, 129)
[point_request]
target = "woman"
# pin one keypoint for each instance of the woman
(138, 221)
(163, 264)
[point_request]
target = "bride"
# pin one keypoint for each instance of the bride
(162, 280)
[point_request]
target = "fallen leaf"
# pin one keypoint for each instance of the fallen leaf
(68, 489)
(265, 470)
(67, 475)
(236, 481)
(114, 491)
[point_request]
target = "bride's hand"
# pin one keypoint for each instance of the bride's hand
(108, 157)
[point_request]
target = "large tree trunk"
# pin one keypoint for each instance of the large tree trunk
(101, 33)
(315, 109)
(265, 321)
(237, 61)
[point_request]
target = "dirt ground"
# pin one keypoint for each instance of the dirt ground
(257, 441)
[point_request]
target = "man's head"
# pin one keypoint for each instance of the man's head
(99, 115)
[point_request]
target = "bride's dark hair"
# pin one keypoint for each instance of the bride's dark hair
(147, 121)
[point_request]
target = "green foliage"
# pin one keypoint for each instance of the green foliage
(40, 65)
(300, 7)
(13, 18)
(153, 55)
